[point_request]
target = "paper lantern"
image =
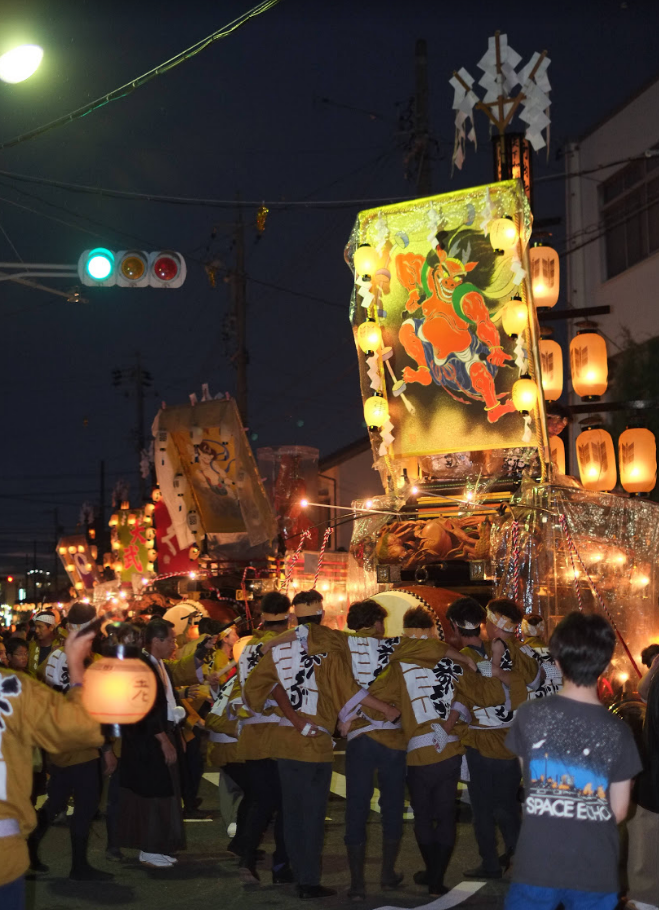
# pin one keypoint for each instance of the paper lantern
(114, 521)
(365, 260)
(557, 453)
(156, 495)
(597, 460)
(637, 457)
(376, 411)
(118, 690)
(62, 551)
(525, 394)
(545, 275)
(551, 359)
(515, 317)
(503, 233)
(369, 337)
(152, 555)
(588, 364)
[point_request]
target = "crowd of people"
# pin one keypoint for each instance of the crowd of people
(418, 714)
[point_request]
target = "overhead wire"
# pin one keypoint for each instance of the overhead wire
(134, 84)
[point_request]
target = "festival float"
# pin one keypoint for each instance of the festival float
(458, 384)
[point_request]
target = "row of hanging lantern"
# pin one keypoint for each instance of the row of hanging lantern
(637, 458)
(589, 372)
(588, 366)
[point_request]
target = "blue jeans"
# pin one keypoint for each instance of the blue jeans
(523, 897)
(12, 896)
(365, 756)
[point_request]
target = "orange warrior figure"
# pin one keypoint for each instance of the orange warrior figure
(455, 343)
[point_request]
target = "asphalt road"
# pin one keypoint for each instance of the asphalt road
(207, 877)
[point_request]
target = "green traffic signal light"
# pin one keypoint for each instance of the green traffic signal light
(100, 264)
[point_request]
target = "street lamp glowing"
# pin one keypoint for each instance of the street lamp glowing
(20, 63)
(100, 264)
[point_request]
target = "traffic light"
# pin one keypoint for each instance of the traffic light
(131, 269)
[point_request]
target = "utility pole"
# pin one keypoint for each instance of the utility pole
(422, 120)
(34, 571)
(239, 284)
(139, 399)
(141, 379)
(101, 527)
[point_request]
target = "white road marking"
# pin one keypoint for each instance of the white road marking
(455, 896)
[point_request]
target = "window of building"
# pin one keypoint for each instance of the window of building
(629, 203)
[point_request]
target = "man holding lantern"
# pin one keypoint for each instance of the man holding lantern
(74, 773)
(150, 817)
(31, 715)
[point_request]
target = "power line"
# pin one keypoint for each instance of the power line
(198, 201)
(130, 87)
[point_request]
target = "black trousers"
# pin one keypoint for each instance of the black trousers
(365, 757)
(433, 789)
(305, 790)
(264, 799)
(83, 782)
(493, 789)
(192, 770)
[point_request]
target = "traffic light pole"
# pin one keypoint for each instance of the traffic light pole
(240, 309)
(26, 272)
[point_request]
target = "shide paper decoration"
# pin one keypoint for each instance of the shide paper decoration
(439, 375)
(500, 77)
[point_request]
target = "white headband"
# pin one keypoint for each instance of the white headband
(528, 629)
(46, 618)
(79, 626)
(501, 622)
(468, 625)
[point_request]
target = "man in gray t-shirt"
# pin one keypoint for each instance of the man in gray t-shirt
(578, 762)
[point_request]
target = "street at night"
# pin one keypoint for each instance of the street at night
(330, 407)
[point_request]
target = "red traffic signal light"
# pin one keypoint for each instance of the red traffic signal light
(132, 268)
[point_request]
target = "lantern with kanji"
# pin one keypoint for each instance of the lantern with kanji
(503, 233)
(369, 336)
(637, 457)
(597, 460)
(545, 272)
(588, 364)
(551, 360)
(376, 411)
(120, 689)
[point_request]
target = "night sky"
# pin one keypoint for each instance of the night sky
(245, 116)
